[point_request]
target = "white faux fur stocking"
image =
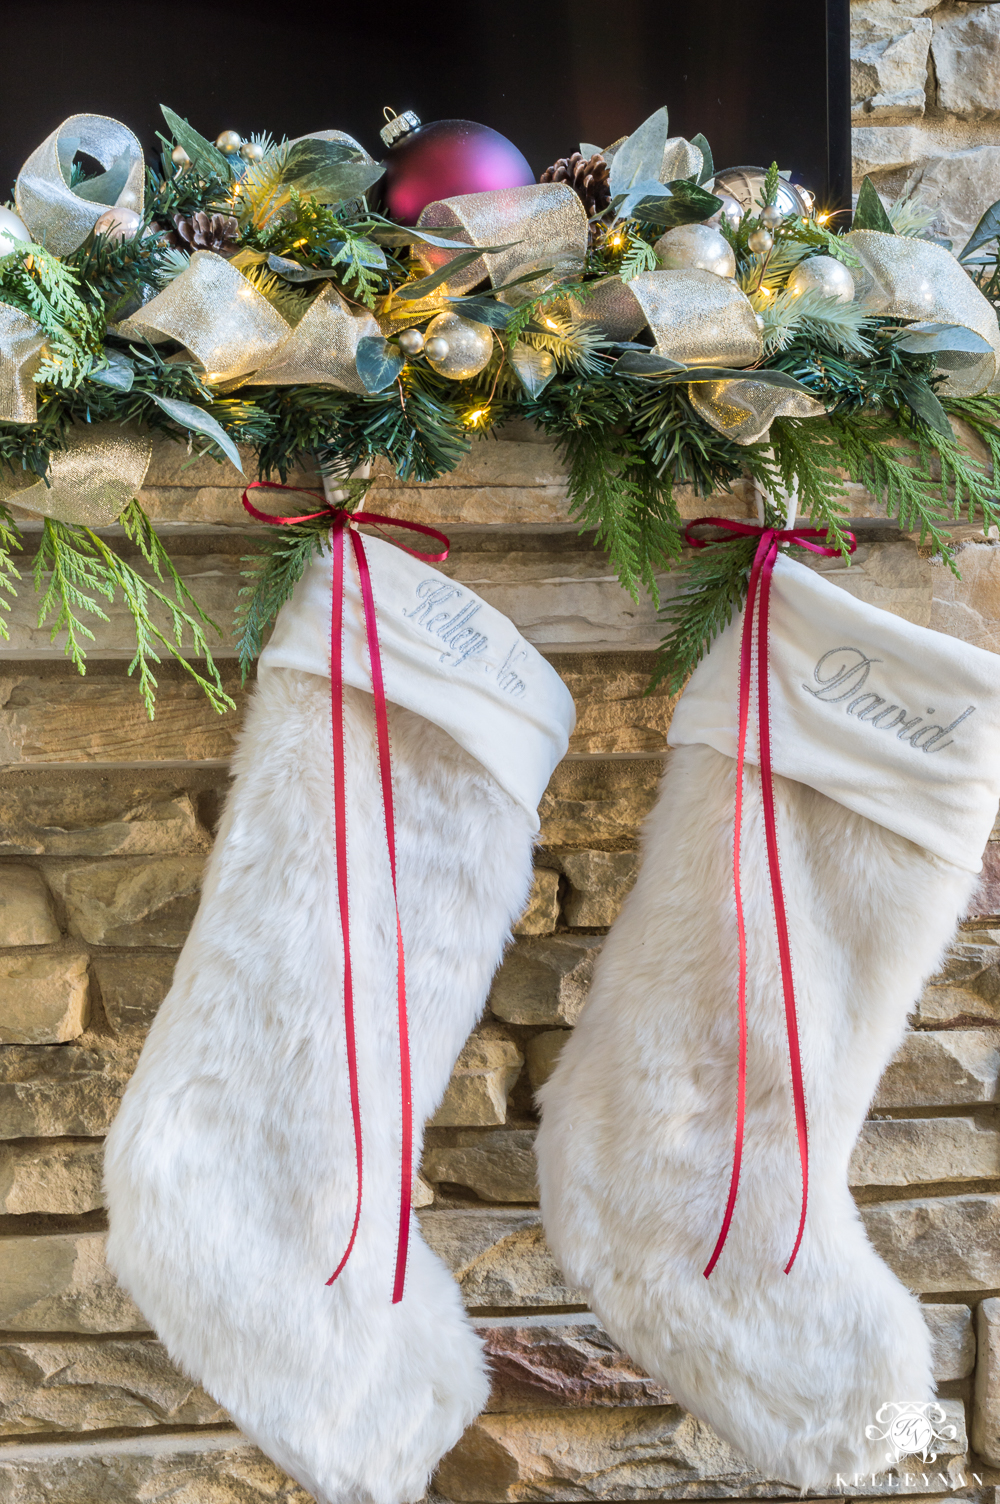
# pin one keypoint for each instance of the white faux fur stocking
(637, 1133)
(230, 1169)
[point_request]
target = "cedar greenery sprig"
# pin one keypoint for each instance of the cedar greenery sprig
(74, 566)
(10, 538)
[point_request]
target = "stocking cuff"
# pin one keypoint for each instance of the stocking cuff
(891, 720)
(446, 655)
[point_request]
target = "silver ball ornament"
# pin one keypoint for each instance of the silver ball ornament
(229, 142)
(118, 223)
(771, 217)
(180, 158)
(760, 241)
(11, 228)
(696, 248)
(824, 275)
(250, 151)
(436, 348)
(746, 186)
(469, 346)
(411, 342)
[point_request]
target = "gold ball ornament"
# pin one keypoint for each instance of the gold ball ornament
(760, 241)
(411, 342)
(180, 158)
(825, 275)
(118, 223)
(11, 228)
(229, 142)
(771, 217)
(470, 346)
(250, 151)
(696, 248)
(436, 348)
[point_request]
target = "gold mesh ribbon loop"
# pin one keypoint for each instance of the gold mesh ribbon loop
(91, 481)
(744, 410)
(57, 217)
(322, 350)
(546, 219)
(698, 318)
(21, 341)
(905, 278)
(211, 309)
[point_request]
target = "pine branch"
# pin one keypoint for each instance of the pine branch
(808, 456)
(811, 315)
(575, 344)
(10, 537)
(713, 592)
(616, 493)
(273, 572)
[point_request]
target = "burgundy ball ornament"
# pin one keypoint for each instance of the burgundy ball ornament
(425, 163)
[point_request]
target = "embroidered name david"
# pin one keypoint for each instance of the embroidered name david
(848, 674)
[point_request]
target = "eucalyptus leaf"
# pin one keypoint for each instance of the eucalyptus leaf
(640, 157)
(535, 368)
(927, 339)
(645, 190)
(870, 213)
(119, 373)
(636, 362)
(987, 229)
(291, 271)
(378, 362)
(198, 421)
(688, 204)
(707, 160)
(205, 155)
(588, 150)
(484, 311)
(926, 406)
(330, 171)
(698, 374)
(386, 234)
(411, 291)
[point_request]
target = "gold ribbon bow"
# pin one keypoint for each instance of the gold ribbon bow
(539, 223)
(60, 217)
(21, 341)
(235, 333)
(91, 481)
(902, 277)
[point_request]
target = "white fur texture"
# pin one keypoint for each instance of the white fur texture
(230, 1170)
(638, 1121)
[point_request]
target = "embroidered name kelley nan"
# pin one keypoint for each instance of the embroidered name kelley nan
(848, 675)
(462, 641)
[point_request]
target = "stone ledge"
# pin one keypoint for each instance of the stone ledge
(60, 1283)
(219, 1467)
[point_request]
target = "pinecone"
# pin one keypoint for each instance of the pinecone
(589, 176)
(207, 232)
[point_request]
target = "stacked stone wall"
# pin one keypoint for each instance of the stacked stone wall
(105, 824)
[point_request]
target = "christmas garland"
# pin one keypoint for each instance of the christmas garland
(433, 335)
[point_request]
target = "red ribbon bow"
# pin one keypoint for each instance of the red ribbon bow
(756, 614)
(343, 522)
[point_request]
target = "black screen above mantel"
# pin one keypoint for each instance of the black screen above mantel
(760, 80)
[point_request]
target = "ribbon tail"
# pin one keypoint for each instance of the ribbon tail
(778, 897)
(746, 658)
(385, 771)
(340, 835)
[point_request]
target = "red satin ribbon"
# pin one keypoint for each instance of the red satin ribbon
(342, 522)
(757, 614)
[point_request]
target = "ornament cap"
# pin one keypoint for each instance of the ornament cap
(398, 125)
